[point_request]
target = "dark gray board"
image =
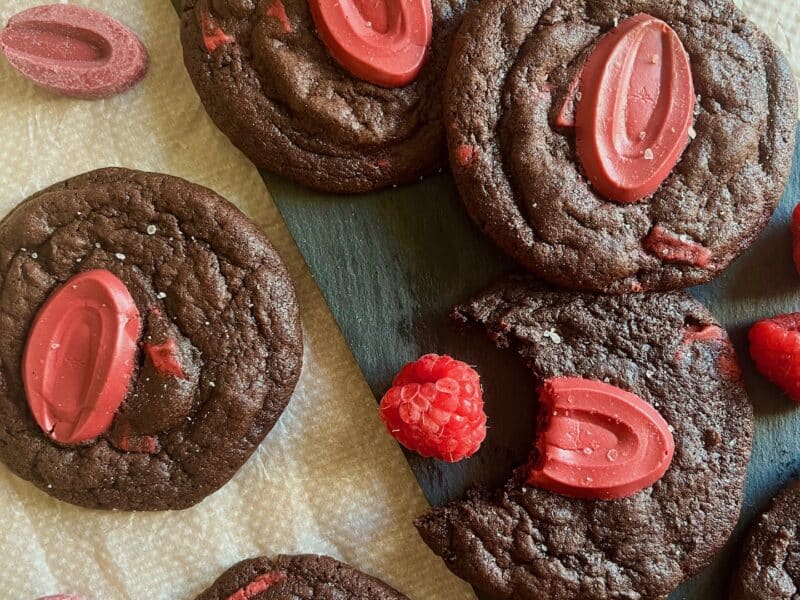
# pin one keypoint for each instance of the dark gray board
(392, 265)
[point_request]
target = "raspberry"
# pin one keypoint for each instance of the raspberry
(796, 237)
(775, 348)
(435, 408)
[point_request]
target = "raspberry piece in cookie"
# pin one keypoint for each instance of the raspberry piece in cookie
(775, 348)
(435, 408)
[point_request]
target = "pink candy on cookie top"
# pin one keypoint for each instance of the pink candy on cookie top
(384, 42)
(74, 51)
(80, 356)
(598, 441)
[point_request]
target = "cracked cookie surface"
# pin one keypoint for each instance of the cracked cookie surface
(525, 542)
(202, 275)
(770, 561)
(280, 97)
(301, 577)
(519, 175)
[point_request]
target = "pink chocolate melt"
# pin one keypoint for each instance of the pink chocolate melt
(258, 585)
(384, 42)
(165, 358)
(278, 11)
(466, 154)
(632, 106)
(727, 362)
(597, 441)
(671, 248)
(213, 35)
(80, 356)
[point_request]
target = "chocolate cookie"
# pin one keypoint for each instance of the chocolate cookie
(149, 340)
(523, 541)
(271, 85)
(769, 567)
(296, 577)
(542, 95)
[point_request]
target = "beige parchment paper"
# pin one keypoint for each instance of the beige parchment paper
(328, 479)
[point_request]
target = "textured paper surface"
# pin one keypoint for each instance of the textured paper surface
(780, 20)
(328, 479)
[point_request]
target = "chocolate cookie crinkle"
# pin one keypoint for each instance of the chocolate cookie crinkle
(296, 577)
(525, 542)
(149, 340)
(515, 152)
(769, 568)
(274, 90)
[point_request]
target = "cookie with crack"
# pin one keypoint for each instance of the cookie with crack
(149, 340)
(294, 577)
(636, 476)
(619, 145)
(339, 96)
(769, 568)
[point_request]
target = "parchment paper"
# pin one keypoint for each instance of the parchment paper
(328, 479)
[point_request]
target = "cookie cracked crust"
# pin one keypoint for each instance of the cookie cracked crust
(521, 180)
(195, 265)
(524, 542)
(306, 576)
(293, 110)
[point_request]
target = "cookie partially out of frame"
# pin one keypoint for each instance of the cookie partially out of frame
(525, 542)
(769, 568)
(293, 110)
(296, 577)
(523, 183)
(217, 354)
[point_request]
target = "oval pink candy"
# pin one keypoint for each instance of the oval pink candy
(74, 51)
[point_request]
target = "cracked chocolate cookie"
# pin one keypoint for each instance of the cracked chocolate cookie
(296, 90)
(769, 567)
(547, 534)
(296, 577)
(618, 145)
(149, 340)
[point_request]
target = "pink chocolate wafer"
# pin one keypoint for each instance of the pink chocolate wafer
(74, 51)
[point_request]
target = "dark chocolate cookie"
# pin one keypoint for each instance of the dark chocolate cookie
(280, 97)
(770, 563)
(295, 578)
(523, 183)
(211, 326)
(523, 541)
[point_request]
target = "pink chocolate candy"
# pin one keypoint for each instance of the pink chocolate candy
(74, 51)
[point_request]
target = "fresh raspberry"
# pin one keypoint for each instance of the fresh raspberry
(796, 237)
(435, 408)
(775, 348)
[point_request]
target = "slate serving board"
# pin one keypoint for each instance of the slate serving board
(391, 266)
